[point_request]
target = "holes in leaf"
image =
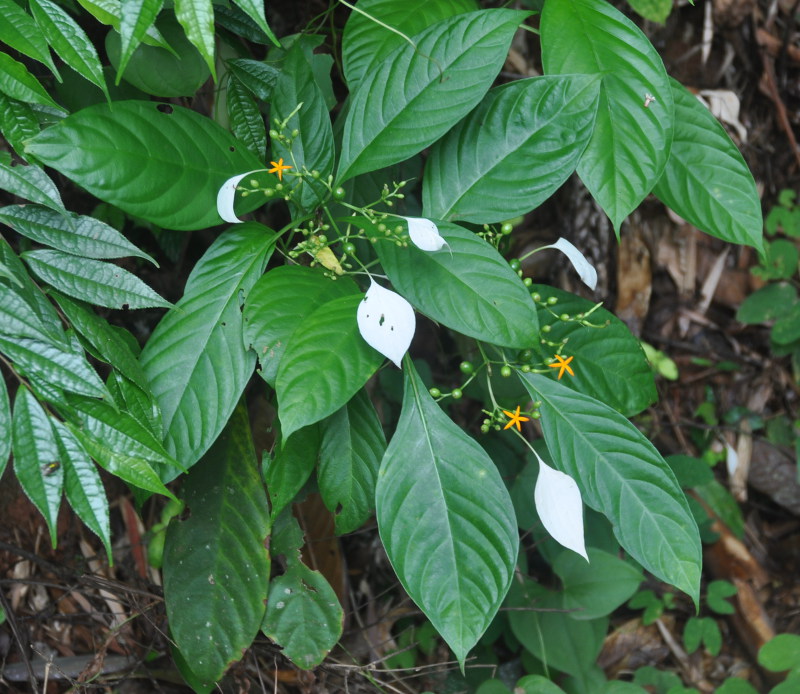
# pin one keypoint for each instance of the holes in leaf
(165, 108)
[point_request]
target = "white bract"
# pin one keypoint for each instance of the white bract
(226, 195)
(560, 508)
(386, 321)
(425, 234)
(586, 272)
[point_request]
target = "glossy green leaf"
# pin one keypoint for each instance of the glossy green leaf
(95, 281)
(259, 77)
(173, 163)
(69, 41)
(513, 151)
(31, 183)
(445, 519)
(326, 363)
(136, 17)
(18, 319)
(5, 426)
(630, 145)
(609, 363)
(365, 42)
(289, 469)
(483, 298)
(21, 32)
(420, 91)
(216, 565)
(349, 458)
(36, 458)
(654, 10)
(18, 83)
(140, 404)
(195, 359)
(197, 19)
(303, 614)
(83, 236)
(83, 486)
(110, 12)
(622, 475)
(18, 122)
(255, 10)
(246, 120)
(706, 180)
(279, 303)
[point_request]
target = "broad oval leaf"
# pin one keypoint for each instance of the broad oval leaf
(30, 182)
(631, 142)
(169, 173)
(467, 287)
(513, 151)
(419, 91)
(706, 180)
(445, 519)
(197, 19)
(623, 476)
(195, 359)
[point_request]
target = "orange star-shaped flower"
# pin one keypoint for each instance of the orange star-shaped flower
(562, 365)
(516, 418)
(278, 168)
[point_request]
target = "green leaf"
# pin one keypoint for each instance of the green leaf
(287, 472)
(136, 17)
(468, 287)
(246, 121)
(482, 171)
(18, 122)
(18, 319)
(216, 565)
(702, 631)
(31, 183)
(689, 471)
(445, 519)
(706, 180)
(349, 458)
(717, 497)
(735, 685)
(786, 330)
(95, 281)
(36, 458)
(257, 76)
(780, 653)
(653, 10)
(717, 591)
(420, 91)
(18, 83)
(255, 10)
(622, 475)
(173, 163)
(138, 403)
(537, 684)
(195, 359)
(197, 19)
(366, 42)
(609, 362)
(76, 234)
(20, 32)
(83, 486)
(326, 363)
(5, 426)
(69, 41)
(279, 303)
(630, 145)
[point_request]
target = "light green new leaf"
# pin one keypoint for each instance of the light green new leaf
(289, 469)
(366, 42)
(136, 17)
(83, 486)
(513, 151)
(19, 31)
(69, 41)
(169, 170)
(5, 426)
(36, 457)
(18, 122)
(621, 475)
(31, 183)
(18, 83)
(195, 359)
(83, 236)
(420, 91)
(445, 519)
(706, 180)
(94, 281)
(485, 299)
(255, 10)
(216, 565)
(246, 120)
(631, 142)
(349, 458)
(197, 19)
(654, 10)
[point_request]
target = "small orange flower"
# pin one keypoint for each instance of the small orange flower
(516, 418)
(278, 168)
(562, 365)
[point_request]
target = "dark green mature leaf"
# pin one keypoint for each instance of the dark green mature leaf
(197, 19)
(513, 151)
(774, 301)
(420, 91)
(622, 475)
(18, 83)
(365, 42)
(29, 182)
(136, 17)
(18, 122)
(110, 12)
(257, 76)
(484, 298)
(5, 426)
(255, 10)
(279, 303)
(36, 457)
(609, 363)
(18, 319)
(195, 359)
(246, 120)
(216, 565)
(706, 180)
(95, 281)
(445, 519)
(19, 31)
(140, 404)
(287, 472)
(631, 143)
(169, 171)
(325, 365)
(349, 458)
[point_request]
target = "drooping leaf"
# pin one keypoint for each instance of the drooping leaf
(136, 17)
(169, 173)
(21, 32)
(18, 83)
(31, 183)
(445, 519)
(18, 122)
(424, 234)
(197, 19)
(5, 426)
(246, 121)
(216, 565)
(255, 10)
(292, 465)
(513, 151)
(419, 91)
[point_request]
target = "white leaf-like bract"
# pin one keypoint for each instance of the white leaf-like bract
(585, 270)
(226, 195)
(425, 234)
(386, 321)
(560, 507)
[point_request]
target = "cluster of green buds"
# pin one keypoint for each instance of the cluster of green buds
(495, 236)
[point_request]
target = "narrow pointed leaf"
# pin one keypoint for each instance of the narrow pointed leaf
(18, 122)
(18, 83)
(31, 183)
(197, 19)
(259, 77)
(445, 519)
(21, 32)
(289, 469)
(136, 17)
(18, 319)
(246, 120)
(386, 321)
(5, 426)
(110, 12)
(138, 403)
(255, 10)
(585, 270)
